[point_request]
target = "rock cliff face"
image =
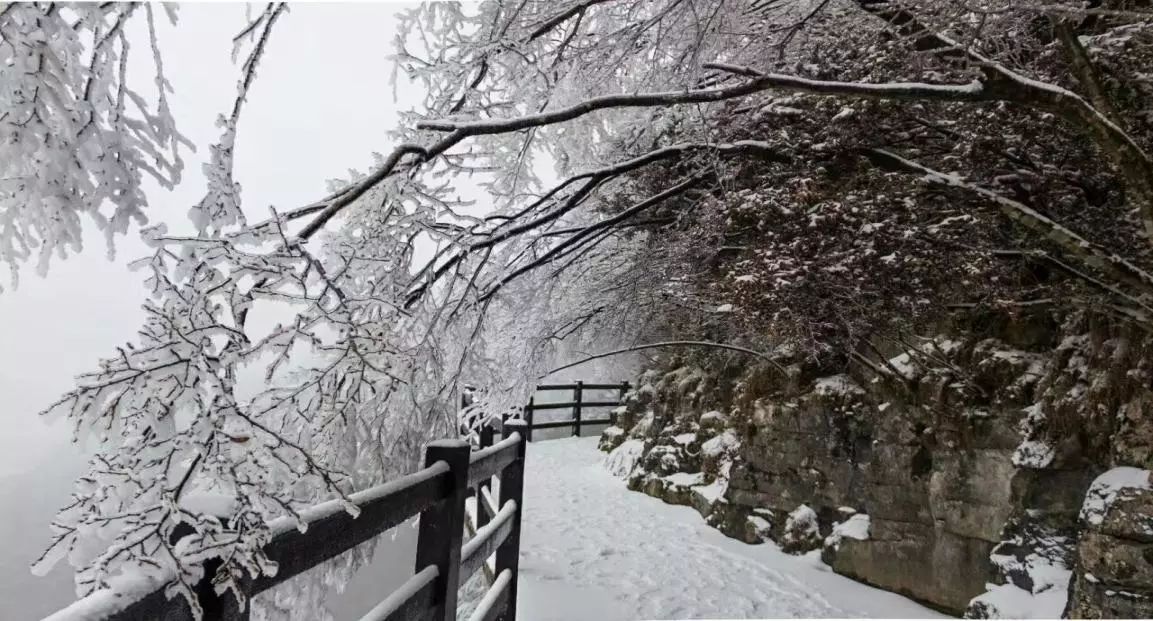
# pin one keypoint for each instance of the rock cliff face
(953, 469)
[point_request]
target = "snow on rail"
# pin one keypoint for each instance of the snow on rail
(400, 597)
(491, 596)
(332, 507)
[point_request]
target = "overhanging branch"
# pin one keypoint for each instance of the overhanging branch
(615, 352)
(1073, 245)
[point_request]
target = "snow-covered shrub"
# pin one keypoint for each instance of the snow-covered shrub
(802, 530)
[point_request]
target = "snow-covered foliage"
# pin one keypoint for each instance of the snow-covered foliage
(802, 530)
(76, 139)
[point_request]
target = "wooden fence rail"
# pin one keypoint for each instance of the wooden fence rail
(444, 561)
(577, 405)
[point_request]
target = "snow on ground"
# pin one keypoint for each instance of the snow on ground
(592, 549)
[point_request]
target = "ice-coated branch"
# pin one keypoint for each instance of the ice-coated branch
(916, 91)
(67, 107)
(1071, 244)
(606, 102)
(577, 238)
(616, 352)
(1004, 84)
(458, 132)
(516, 224)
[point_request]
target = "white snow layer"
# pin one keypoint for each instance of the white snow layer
(836, 386)
(621, 461)
(1050, 584)
(802, 520)
(592, 549)
(1107, 488)
(715, 447)
(1008, 601)
(856, 527)
(686, 479)
(1033, 453)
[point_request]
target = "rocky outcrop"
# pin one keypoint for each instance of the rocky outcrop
(969, 455)
(1115, 553)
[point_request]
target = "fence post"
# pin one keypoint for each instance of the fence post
(486, 434)
(576, 411)
(528, 420)
(222, 607)
(512, 488)
(442, 525)
(217, 607)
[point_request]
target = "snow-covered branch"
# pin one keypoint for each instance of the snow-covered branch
(1071, 244)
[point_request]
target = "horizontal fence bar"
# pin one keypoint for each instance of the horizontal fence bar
(495, 599)
(487, 463)
(413, 600)
(572, 404)
(551, 387)
(105, 604)
(569, 423)
(596, 421)
(486, 503)
(381, 508)
(476, 550)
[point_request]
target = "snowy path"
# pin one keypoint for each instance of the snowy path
(592, 550)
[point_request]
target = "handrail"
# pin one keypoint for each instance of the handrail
(381, 508)
(486, 541)
(571, 404)
(485, 463)
(552, 387)
(436, 493)
(494, 600)
(577, 405)
(412, 598)
(569, 423)
(364, 498)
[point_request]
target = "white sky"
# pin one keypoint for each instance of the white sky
(322, 103)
